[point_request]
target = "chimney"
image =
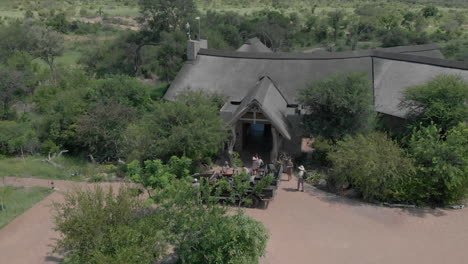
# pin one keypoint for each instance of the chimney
(193, 46)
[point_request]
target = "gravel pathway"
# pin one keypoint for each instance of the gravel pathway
(319, 227)
(306, 227)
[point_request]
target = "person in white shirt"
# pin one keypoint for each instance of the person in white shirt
(254, 165)
(300, 178)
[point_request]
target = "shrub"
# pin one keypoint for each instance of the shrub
(338, 105)
(155, 175)
(314, 177)
(17, 138)
(442, 101)
(374, 165)
(100, 226)
(237, 239)
(190, 126)
(442, 163)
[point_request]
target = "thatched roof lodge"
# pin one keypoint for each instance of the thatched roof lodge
(262, 87)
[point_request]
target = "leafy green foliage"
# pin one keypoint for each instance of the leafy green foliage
(236, 239)
(442, 163)
(171, 54)
(155, 175)
(100, 225)
(190, 126)
(442, 101)
(338, 105)
(17, 138)
(165, 15)
(12, 88)
(204, 232)
(100, 129)
(374, 165)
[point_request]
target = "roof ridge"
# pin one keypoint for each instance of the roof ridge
(403, 56)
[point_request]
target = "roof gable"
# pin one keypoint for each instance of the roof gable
(268, 98)
(254, 45)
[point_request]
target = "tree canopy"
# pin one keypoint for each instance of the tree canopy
(190, 126)
(442, 101)
(338, 105)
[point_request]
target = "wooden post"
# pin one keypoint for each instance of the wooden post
(276, 143)
(232, 143)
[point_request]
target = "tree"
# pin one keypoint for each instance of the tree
(17, 138)
(204, 232)
(116, 56)
(336, 20)
(101, 226)
(390, 21)
(12, 88)
(48, 45)
(58, 22)
(190, 126)
(442, 163)
(374, 165)
(237, 239)
(274, 28)
(429, 11)
(122, 89)
(171, 54)
(338, 105)
(100, 130)
(62, 105)
(159, 16)
(442, 101)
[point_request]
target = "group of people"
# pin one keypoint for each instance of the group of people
(258, 163)
(301, 175)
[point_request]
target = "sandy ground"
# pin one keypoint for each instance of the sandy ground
(306, 227)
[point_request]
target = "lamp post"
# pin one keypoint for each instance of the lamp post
(199, 27)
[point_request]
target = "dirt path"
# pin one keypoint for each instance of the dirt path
(318, 227)
(309, 227)
(28, 237)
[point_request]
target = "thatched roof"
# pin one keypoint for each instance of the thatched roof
(391, 70)
(266, 96)
(254, 45)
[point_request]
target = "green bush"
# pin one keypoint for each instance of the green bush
(191, 126)
(237, 239)
(100, 226)
(17, 138)
(442, 101)
(338, 105)
(314, 177)
(442, 164)
(374, 165)
(155, 175)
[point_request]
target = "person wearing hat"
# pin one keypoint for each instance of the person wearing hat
(300, 178)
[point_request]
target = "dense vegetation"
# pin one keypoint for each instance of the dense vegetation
(427, 164)
(86, 78)
(99, 226)
(72, 75)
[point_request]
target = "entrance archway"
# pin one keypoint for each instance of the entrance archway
(257, 139)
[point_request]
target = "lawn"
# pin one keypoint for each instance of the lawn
(71, 169)
(16, 200)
